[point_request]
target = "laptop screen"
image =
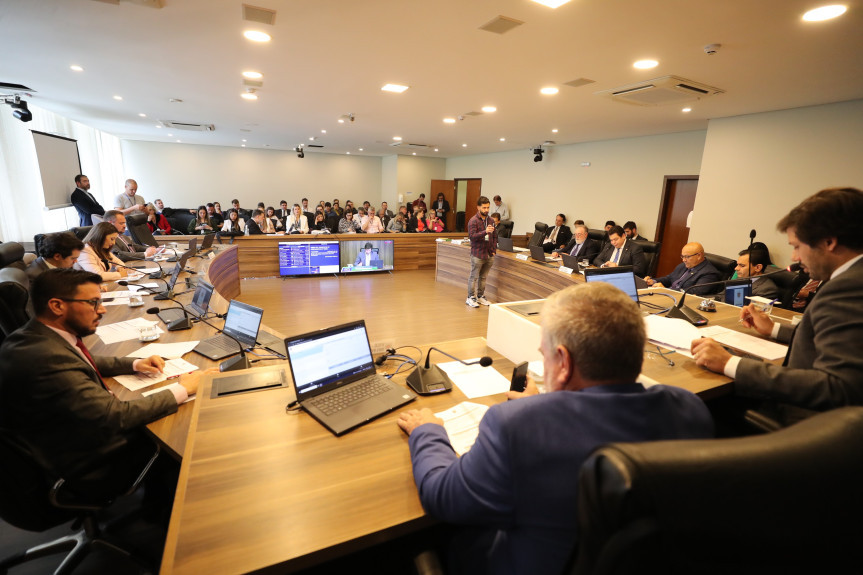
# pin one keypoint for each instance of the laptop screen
(329, 356)
(537, 253)
(201, 297)
(621, 277)
(242, 322)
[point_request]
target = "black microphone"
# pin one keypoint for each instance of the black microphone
(167, 294)
(430, 379)
(154, 275)
(231, 364)
(795, 267)
(751, 237)
(176, 325)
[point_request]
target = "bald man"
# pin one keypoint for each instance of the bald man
(129, 202)
(693, 271)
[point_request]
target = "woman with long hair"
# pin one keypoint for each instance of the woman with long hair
(297, 223)
(96, 256)
(234, 225)
(203, 223)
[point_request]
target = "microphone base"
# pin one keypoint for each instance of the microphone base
(235, 363)
(164, 296)
(180, 324)
(687, 314)
(429, 381)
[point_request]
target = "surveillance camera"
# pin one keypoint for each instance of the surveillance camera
(712, 49)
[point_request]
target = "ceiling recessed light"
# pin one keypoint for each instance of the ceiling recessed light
(76, 68)
(686, 110)
(397, 138)
(170, 135)
(397, 88)
(503, 139)
(436, 150)
(118, 98)
(242, 145)
(413, 153)
(257, 36)
(824, 13)
(323, 131)
(489, 109)
(179, 142)
(449, 120)
(645, 64)
(252, 75)
(348, 153)
(549, 91)
(249, 96)
(143, 115)
(341, 120)
(361, 149)
(312, 139)
(464, 145)
(552, 3)
(554, 131)
(245, 140)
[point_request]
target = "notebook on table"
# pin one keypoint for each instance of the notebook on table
(335, 380)
(242, 322)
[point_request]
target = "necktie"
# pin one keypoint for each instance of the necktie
(79, 343)
(575, 250)
(616, 255)
(554, 234)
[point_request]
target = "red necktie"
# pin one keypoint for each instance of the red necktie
(79, 343)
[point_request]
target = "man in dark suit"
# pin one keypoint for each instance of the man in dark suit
(516, 487)
(693, 271)
(85, 202)
(557, 236)
(631, 232)
(440, 207)
(620, 252)
(124, 247)
(52, 394)
(255, 223)
(824, 365)
(753, 265)
(58, 250)
(580, 245)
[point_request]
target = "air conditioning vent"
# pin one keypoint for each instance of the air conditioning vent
(661, 91)
(501, 25)
(258, 14)
(174, 125)
(410, 146)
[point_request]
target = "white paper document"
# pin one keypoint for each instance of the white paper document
(475, 380)
(123, 330)
(158, 389)
(462, 424)
(166, 350)
(673, 333)
(173, 368)
(750, 344)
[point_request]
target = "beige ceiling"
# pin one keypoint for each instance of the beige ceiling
(330, 57)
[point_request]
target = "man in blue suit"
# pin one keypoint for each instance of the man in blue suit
(694, 270)
(517, 485)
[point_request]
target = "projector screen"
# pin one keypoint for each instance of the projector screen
(58, 165)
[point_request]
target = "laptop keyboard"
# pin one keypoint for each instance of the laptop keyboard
(224, 343)
(336, 401)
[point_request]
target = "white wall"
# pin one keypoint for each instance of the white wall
(185, 175)
(623, 182)
(757, 167)
(415, 174)
(389, 181)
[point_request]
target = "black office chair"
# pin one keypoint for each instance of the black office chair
(179, 219)
(539, 230)
(789, 284)
(598, 236)
(81, 231)
(12, 255)
(723, 264)
(31, 498)
(651, 254)
(37, 243)
(14, 298)
(784, 502)
(504, 230)
(139, 231)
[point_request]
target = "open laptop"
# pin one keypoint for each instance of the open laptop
(207, 245)
(572, 262)
(537, 253)
(504, 244)
(621, 277)
(242, 322)
(335, 380)
(193, 247)
(175, 273)
(200, 303)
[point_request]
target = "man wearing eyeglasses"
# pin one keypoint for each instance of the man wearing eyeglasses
(693, 271)
(52, 392)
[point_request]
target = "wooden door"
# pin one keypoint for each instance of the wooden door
(678, 200)
(447, 188)
(474, 191)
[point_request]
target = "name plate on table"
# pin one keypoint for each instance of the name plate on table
(565, 270)
(523, 257)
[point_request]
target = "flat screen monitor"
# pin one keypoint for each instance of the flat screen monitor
(367, 255)
(308, 258)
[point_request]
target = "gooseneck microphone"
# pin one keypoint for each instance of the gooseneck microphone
(430, 379)
(169, 289)
(178, 324)
(751, 238)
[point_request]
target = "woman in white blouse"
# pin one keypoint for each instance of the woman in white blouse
(234, 225)
(297, 222)
(96, 256)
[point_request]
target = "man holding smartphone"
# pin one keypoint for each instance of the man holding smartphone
(483, 243)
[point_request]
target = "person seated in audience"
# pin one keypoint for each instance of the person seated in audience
(157, 222)
(417, 223)
(556, 237)
(397, 224)
(202, 224)
(96, 257)
(581, 246)
(371, 223)
(349, 224)
(262, 207)
(385, 214)
(272, 221)
(256, 225)
(500, 208)
(234, 225)
(217, 208)
(320, 223)
(297, 222)
(349, 205)
(496, 219)
(304, 203)
(338, 209)
(753, 265)
(440, 209)
(368, 257)
(631, 231)
(124, 247)
(218, 219)
(434, 224)
(58, 250)
(283, 212)
(621, 252)
(159, 205)
(53, 400)
(694, 270)
(608, 225)
(420, 202)
(244, 215)
(515, 490)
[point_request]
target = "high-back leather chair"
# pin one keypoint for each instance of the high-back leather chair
(789, 284)
(784, 502)
(598, 236)
(459, 221)
(14, 296)
(140, 231)
(504, 230)
(37, 242)
(651, 254)
(539, 230)
(81, 231)
(723, 264)
(12, 255)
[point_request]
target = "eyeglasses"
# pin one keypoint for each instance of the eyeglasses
(685, 257)
(95, 302)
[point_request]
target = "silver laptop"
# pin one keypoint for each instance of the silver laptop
(200, 303)
(335, 380)
(621, 277)
(242, 322)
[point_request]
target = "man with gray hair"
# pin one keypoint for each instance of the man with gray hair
(518, 482)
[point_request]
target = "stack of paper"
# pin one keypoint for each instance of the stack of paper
(173, 368)
(462, 424)
(475, 380)
(756, 346)
(672, 333)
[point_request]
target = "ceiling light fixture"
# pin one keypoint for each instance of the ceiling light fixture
(552, 3)
(118, 98)
(323, 131)
(824, 13)
(489, 109)
(464, 145)
(554, 130)
(347, 118)
(361, 149)
(686, 110)
(76, 68)
(413, 153)
(252, 75)
(397, 138)
(249, 94)
(549, 91)
(645, 64)
(503, 139)
(397, 88)
(436, 150)
(143, 115)
(257, 36)
(449, 120)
